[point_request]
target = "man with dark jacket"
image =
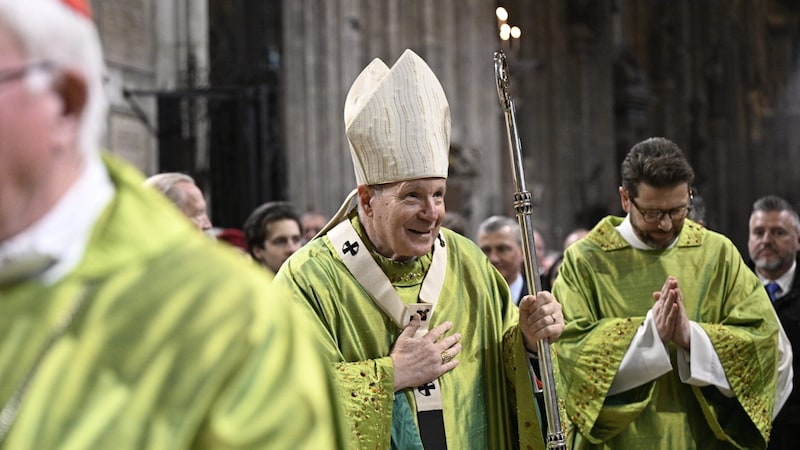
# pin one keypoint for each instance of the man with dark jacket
(773, 244)
(500, 239)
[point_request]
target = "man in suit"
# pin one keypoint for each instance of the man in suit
(500, 239)
(773, 244)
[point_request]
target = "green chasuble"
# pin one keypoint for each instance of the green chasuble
(606, 288)
(177, 343)
(486, 399)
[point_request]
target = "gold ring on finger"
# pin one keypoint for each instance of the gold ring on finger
(446, 357)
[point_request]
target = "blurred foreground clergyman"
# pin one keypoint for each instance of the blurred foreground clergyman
(417, 320)
(121, 327)
(670, 340)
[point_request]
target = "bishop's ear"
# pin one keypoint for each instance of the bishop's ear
(71, 88)
(71, 91)
(365, 194)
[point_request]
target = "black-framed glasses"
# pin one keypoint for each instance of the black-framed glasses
(23, 71)
(655, 215)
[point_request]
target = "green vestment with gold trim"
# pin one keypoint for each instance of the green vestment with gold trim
(606, 288)
(488, 400)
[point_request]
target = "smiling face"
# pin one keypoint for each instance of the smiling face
(662, 233)
(402, 219)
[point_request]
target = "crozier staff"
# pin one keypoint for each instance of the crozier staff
(417, 319)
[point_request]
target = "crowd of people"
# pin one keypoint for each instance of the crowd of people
(379, 327)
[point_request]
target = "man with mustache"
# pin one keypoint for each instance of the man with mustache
(670, 341)
(773, 244)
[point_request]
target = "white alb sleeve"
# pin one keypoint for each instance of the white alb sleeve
(647, 358)
(785, 371)
(700, 365)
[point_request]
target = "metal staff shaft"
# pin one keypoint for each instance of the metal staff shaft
(523, 205)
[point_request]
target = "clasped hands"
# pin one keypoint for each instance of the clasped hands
(670, 316)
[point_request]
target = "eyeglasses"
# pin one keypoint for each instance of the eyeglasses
(655, 215)
(24, 71)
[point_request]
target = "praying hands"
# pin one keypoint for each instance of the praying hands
(670, 315)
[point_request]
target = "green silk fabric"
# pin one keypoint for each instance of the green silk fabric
(606, 288)
(181, 343)
(487, 400)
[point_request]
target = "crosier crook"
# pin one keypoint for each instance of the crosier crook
(523, 206)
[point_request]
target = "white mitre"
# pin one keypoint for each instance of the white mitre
(397, 122)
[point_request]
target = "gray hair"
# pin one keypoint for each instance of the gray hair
(775, 203)
(495, 223)
(52, 33)
(166, 183)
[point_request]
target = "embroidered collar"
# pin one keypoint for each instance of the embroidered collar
(409, 273)
(614, 233)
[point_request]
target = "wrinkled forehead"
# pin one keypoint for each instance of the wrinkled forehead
(434, 183)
